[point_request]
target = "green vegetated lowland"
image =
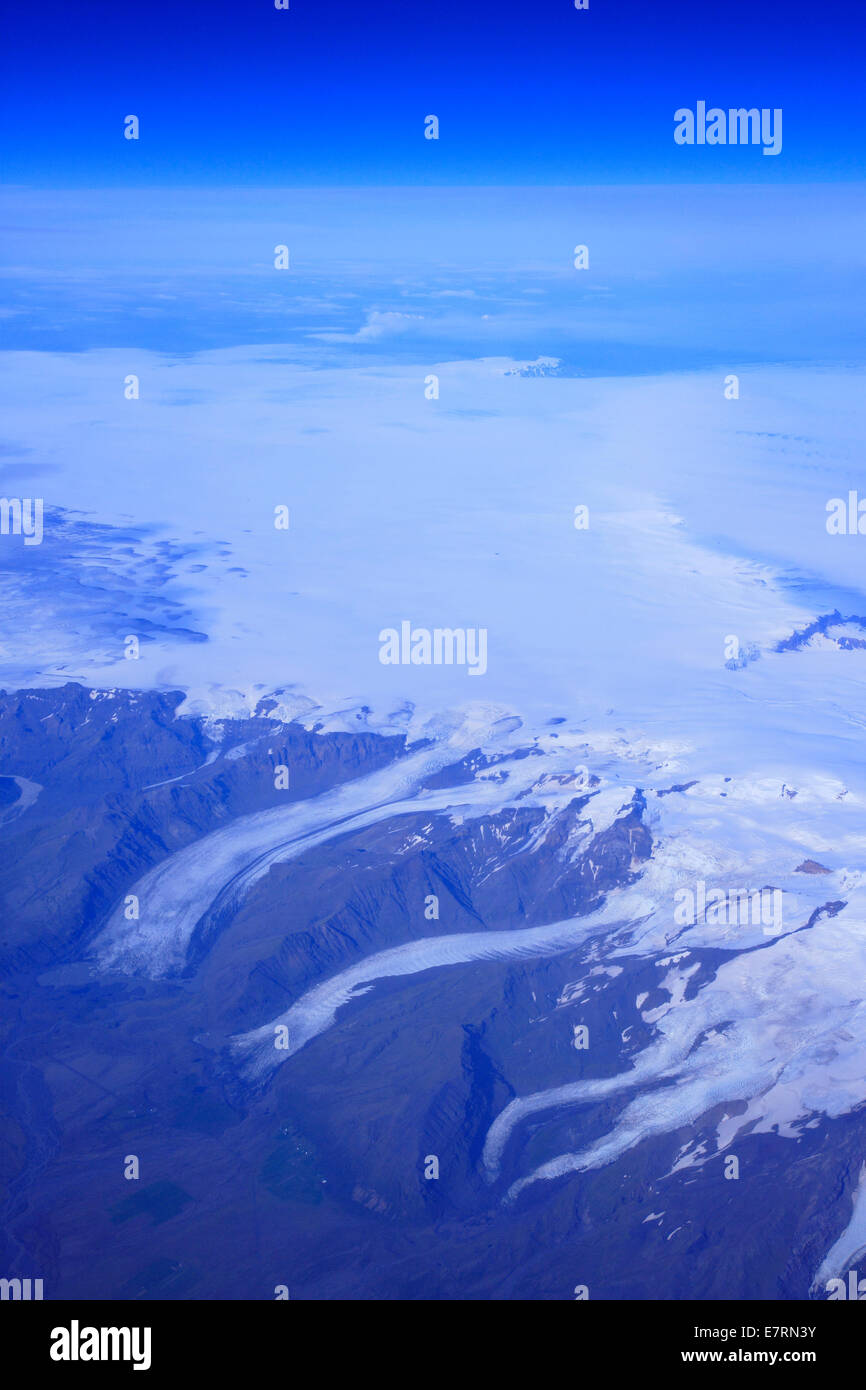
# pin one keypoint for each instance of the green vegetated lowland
(291, 1170)
(159, 1200)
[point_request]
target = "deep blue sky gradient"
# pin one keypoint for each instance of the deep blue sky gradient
(236, 93)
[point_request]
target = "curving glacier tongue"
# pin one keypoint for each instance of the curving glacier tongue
(177, 893)
(259, 1051)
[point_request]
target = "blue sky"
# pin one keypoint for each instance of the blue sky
(335, 93)
(151, 264)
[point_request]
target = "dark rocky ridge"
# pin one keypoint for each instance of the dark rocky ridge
(99, 822)
(316, 1179)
